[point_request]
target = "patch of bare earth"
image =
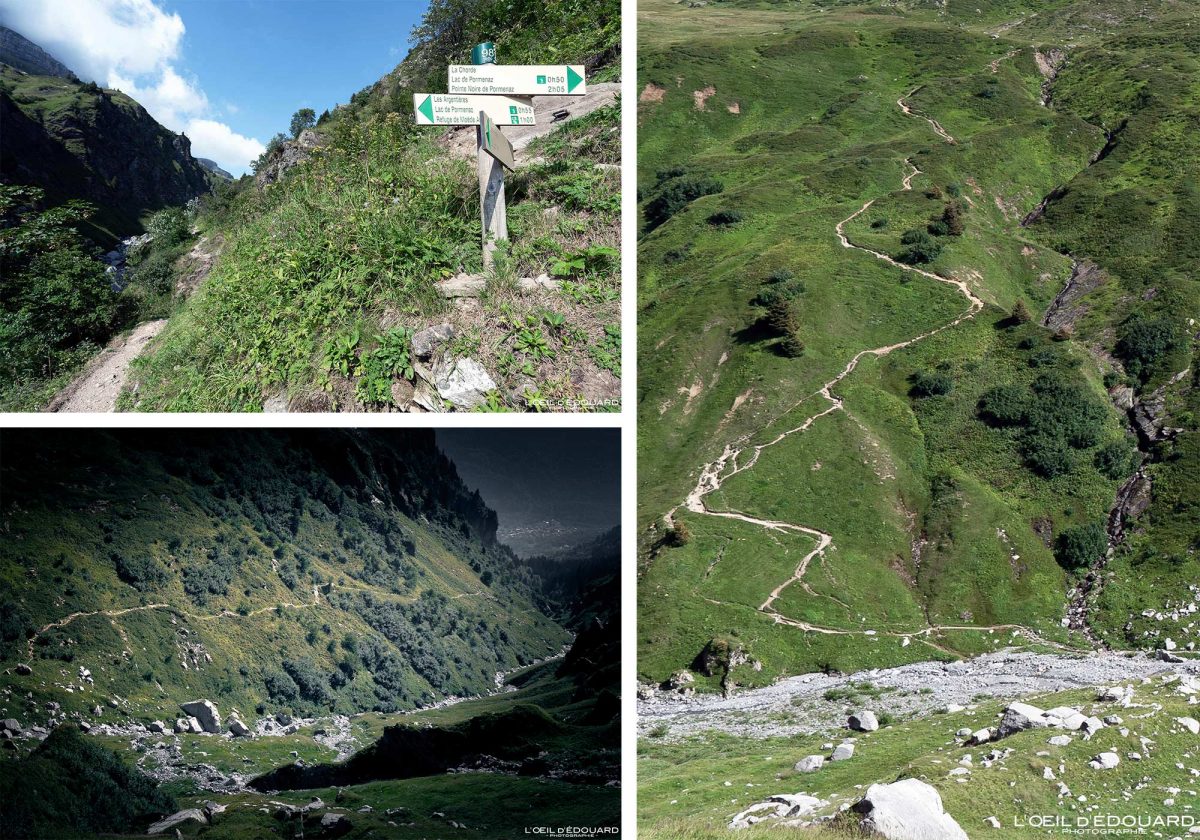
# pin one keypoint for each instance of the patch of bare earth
(652, 93)
(701, 97)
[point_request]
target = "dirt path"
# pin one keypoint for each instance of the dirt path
(113, 613)
(97, 388)
(713, 475)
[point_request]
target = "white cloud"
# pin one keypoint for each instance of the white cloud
(172, 99)
(133, 46)
(215, 140)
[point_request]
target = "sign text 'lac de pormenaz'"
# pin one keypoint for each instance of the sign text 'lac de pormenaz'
(488, 95)
(460, 109)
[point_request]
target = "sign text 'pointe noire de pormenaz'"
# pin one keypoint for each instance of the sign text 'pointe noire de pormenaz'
(489, 95)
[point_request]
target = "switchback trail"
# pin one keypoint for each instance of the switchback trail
(713, 475)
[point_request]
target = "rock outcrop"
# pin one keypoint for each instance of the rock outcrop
(907, 810)
(204, 711)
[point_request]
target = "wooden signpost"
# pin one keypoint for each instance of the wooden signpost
(488, 96)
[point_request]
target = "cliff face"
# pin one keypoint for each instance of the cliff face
(80, 141)
(18, 51)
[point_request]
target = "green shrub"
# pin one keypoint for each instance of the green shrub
(1003, 405)
(676, 194)
(725, 218)
(1079, 547)
(1142, 341)
(931, 384)
(70, 786)
(1047, 454)
(168, 228)
(921, 248)
(1117, 459)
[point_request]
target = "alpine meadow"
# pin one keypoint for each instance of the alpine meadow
(919, 441)
(318, 633)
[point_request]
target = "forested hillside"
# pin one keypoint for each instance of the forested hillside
(210, 607)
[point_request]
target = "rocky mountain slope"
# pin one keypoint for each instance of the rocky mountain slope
(80, 141)
(221, 606)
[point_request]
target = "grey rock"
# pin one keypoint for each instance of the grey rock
(462, 285)
(810, 764)
(466, 385)
(864, 721)
(842, 752)
(427, 341)
(1020, 716)
(178, 819)
(11, 725)
(335, 825)
(156, 726)
(907, 810)
(238, 728)
(205, 711)
(1105, 761)
(23, 669)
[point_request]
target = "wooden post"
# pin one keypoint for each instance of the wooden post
(491, 198)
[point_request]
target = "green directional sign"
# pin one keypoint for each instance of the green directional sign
(456, 109)
(518, 79)
(493, 142)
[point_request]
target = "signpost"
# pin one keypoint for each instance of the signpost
(518, 79)
(455, 109)
(487, 95)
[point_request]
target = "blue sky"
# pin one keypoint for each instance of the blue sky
(228, 73)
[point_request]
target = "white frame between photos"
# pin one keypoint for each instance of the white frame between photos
(625, 420)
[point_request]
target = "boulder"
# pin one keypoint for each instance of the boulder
(981, 736)
(194, 726)
(335, 825)
(11, 725)
(1105, 761)
(426, 341)
(23, 669)
(680, 680)
(864, 721)
(84, 726)
(177, 819)
(206, 712)
(211, 809)
(1116, 694)
(283, 719)
(907, 810)
(1190, 724)
(237, 727)
(1065, 717)
(1020, 716)
(157, 726)
(1060, 740)
(182, 725)
(842, 752)
(466, 385)
(1092, 725)
(810, 764)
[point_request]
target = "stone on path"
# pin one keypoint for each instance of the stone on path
(466, 385)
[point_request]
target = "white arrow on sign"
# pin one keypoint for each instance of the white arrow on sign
(518, 79)
(457, 109)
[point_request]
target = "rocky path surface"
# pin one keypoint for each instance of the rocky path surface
(97, 388)
(796, 705)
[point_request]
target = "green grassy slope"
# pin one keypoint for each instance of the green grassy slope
(683, 790)
(306, 573)
(341, 256)
(937, 519)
